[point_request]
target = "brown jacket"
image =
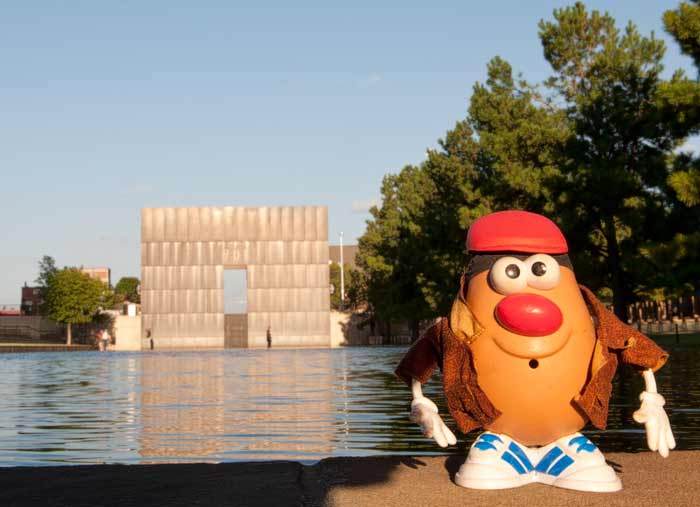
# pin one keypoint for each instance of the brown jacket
(470, 407)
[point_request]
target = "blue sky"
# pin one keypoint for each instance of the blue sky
(108, 107)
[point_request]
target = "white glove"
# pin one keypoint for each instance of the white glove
(655, 420)
(425, 413)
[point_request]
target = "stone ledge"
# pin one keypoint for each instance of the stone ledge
(648, 479)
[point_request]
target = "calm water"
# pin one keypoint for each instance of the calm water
(77, 408)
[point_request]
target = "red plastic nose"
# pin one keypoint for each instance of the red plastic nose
(528, 314)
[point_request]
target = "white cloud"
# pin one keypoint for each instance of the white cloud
(364, 206)
(370, 80)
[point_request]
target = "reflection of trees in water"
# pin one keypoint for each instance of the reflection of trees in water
(378, 404)
(65, 410)
(678, 381)
(293, 404)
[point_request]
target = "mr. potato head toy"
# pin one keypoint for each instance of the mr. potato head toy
(529, 355)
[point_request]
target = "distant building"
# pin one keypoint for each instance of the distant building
(31, 300)
(349, 254)
(284, 250)
(104, 275)
(9, 309)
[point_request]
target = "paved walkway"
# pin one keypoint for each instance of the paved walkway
(648, 480)
(13, 347)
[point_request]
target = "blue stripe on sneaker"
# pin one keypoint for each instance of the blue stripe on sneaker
(560, 466)
(484, 446)
(490, 437)
(579, 440)
(548, 459)
(589, 447)
(512, 461)
(515, 449)
(583, 444)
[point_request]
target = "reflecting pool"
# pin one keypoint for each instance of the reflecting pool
(213, 406)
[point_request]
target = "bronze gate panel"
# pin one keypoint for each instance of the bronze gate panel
(235, 330)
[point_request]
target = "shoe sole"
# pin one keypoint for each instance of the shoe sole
(607, 486)
(492, 482)
(590, 486)
(522, 480)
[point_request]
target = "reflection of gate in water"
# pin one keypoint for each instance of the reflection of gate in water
(235, 330)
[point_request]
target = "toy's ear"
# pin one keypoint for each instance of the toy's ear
(463, 282)
(463, 324)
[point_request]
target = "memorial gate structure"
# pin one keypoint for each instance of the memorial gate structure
(185, 251)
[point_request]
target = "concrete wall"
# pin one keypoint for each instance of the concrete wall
(184, 252)
(127, 333)
(345, 329)
(30, 326)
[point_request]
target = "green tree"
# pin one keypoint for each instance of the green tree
(390, 256)
(334, 269)
(127, 288)
(591, 148)
(676, 261)
(72, 297)
(615, 170)
(682, 96)
(673, 259)
(47, 268)
(357, 291)
(502, 156)
(683, 24)
(521, 136)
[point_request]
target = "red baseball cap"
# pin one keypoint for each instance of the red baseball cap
(515, 231)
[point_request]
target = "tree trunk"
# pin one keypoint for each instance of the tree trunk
(415, 329)
(615, 268)
(69, 337)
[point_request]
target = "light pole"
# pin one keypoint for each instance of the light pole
(342, 274)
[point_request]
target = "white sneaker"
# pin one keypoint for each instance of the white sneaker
(574, 462)
(495, 461)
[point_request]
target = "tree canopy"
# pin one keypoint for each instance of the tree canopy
(592, 147)
(47, 268)
(334, 277)
(127, 288)
(72, 297)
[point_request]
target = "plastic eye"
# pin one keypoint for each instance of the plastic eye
(508, 275)
(543, 272)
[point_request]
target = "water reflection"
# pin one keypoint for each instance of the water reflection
(241, 405)
(253, 404)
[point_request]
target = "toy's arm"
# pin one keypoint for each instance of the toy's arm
(425, 413)
(654, 418)
(416, 367)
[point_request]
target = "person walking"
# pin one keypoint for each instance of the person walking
(105, 340)
(269, 337)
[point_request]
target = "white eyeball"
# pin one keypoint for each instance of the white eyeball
(508, 275)
(543, 272)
